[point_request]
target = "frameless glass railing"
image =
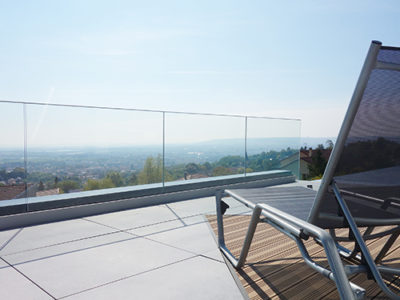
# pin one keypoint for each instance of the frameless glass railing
(272, 144)
(200, 146)
(13, 158)
(51, 149)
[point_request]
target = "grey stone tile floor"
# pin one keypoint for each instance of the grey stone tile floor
(160, 252)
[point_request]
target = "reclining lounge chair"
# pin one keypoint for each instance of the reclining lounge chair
(360, 186)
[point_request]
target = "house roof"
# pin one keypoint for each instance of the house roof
(307, 155)
(11, 191)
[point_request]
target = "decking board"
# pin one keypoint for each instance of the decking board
(275, 269)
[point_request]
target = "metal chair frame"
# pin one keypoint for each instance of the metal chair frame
(300, 230)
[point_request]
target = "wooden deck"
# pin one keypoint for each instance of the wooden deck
(275, 269)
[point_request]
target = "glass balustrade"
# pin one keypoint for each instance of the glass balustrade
(201, 146)
(73, 149)
(12, 155)
(273, 144)
(49, 151)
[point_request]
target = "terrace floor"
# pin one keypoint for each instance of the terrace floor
(165, 251)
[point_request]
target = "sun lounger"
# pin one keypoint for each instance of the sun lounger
(360, 186)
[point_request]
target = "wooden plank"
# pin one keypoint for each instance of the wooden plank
(275, 269)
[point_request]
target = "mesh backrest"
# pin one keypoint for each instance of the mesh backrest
(370, 162)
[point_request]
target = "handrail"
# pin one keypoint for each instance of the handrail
(143, 110)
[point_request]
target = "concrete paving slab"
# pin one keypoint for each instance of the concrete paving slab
(157, 228)
(194, 220)
(196, 278)
(134, 218)
(66, 248)
(214, 254)
(193, 207)
(6, 236)
(74, 272)
(51, 234)
(195, 238)
(3, 264)
(15, 286)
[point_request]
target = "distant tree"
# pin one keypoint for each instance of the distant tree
(3, 175)
(317, 167)
(231, 161)
(321, 146)
(55, 181)
(67, 185)
(207, 167)
(220, 171)
(41, 186)
(93, 184)
(192, 168)
(175, 172)
(329, 144)
(249, 170)
(152, 171)
(18, 172)
(116, 178)
(106, 183)
(132, 180)
(241, 170)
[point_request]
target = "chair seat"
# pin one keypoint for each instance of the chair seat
(294, 200)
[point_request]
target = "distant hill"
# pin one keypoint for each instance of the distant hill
(255, 144)
(313, 142)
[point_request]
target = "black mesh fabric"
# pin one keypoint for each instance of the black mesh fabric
(389, 55)
(370, 162)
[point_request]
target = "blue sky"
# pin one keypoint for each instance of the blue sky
(294, 59)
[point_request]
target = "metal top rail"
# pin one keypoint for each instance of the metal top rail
(143, 110)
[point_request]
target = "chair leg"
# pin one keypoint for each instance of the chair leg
(237, 263)
(369, 261)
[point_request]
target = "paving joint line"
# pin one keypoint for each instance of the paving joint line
(211, 258)
(176, 215)
(130, 228)
(63, 243)
(76, 250)
(33, 282)
(105, 225)
(10, 239)
(127, 277)
(171, 246)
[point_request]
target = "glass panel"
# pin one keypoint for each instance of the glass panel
(273, 144)
(78, 149)
(200, 146)
(12, 165)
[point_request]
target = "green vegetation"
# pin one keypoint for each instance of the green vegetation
(152, 171)
(92, 177)
(318, 165)
(15, 173)
(67, 185)
(93, 184)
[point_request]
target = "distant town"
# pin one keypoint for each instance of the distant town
(55, 171)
